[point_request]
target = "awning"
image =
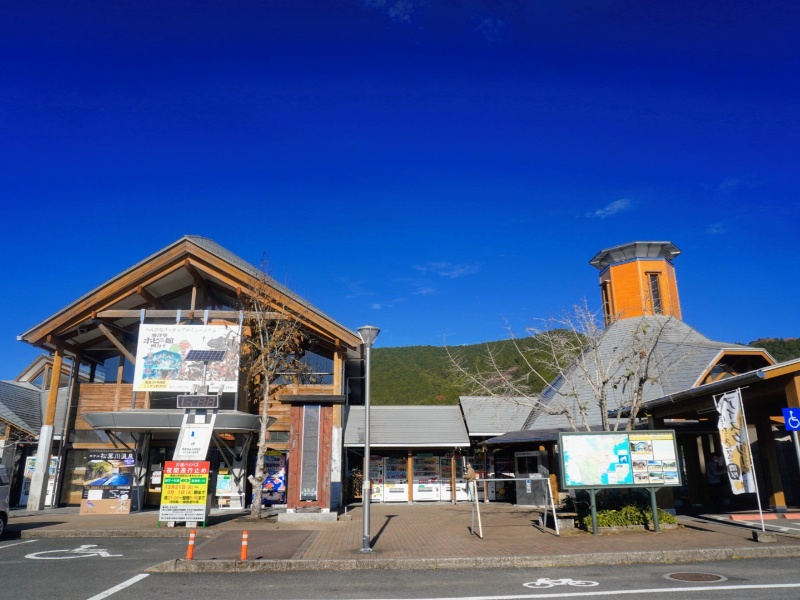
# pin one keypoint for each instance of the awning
(526, 435)
(228, 421)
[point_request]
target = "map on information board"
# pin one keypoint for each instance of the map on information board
(619, 459)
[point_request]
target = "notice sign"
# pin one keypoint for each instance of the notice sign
(619, 459)
(184, 491)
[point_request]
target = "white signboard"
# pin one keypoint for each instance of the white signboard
(161, 363)
(193, 441)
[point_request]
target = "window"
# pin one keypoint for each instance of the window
(655, 292)
(310, 453)
(317, 369)
(605, 289)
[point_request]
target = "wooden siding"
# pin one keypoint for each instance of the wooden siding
(104, 397)
(630, 290)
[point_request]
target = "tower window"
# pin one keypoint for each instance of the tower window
(655, 293)
(605, 290)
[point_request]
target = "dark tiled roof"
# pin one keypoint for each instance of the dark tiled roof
(682, 354)
(20, 406)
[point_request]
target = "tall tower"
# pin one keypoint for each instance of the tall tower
(638, 279)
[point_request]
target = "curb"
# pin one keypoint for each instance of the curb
(169, 532)
(509, 562)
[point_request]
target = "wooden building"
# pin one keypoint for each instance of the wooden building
(192, 281)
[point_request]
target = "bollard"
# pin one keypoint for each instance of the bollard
(190, 548)
(243, 553)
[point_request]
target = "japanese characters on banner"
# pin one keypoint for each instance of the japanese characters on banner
(161, 363)
(184, 491)
(108, 482)
(733, 437)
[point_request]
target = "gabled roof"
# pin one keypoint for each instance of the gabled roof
(165, 280)
(682, 355)
(490, 416)
(407, 427)
(19, 406)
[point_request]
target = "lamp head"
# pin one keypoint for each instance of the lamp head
(368, 333)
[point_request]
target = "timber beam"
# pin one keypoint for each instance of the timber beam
(231, 315)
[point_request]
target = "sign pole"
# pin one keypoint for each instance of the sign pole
(592, 492)
(654, 507)
(752, 464)
(796, 445)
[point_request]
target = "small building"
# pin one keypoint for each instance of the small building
(417, 453)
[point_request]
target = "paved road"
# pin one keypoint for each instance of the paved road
(77, 569)
(114, 568)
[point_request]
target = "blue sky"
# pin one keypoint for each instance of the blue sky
(434, 168)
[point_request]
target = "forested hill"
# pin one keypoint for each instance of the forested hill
(423, 374)
(780, 349)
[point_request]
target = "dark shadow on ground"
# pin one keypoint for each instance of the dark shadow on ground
(381, 530)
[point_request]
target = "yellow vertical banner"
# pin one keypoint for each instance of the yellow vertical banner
(733, 438)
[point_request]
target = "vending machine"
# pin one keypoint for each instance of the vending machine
(376, 478)
(426, 477)
(395, 478)
(446, 480)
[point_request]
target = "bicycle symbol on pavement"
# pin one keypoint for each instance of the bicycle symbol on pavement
(544, 582)
(79, 552)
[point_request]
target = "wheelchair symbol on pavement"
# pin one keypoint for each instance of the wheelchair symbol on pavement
(791, 421)
(79, 552)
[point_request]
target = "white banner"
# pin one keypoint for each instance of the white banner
(733, 436)
(161, 364)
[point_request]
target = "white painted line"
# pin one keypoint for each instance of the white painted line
(119, 587)
(675, 590)
(17, 544)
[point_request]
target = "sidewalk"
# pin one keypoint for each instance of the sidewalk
(413, 536)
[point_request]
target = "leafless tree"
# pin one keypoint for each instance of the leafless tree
(272, 347)
(584, 370)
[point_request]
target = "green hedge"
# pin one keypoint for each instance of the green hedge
(617, 508)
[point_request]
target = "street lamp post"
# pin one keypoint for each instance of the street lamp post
(368, 333)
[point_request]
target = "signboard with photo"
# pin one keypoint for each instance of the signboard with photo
(108, 483)
(619, 459)
(161, 358)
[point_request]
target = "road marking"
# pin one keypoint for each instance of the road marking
(79, 552)
(675, 590)
(119, 587)
(17, 544)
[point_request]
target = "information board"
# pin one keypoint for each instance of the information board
(184, 491)
(619, 459)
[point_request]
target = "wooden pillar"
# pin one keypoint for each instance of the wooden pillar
(770, 469)
(118, 387)
(38, 490)
(52, 392)
(793, 392)
(453, 476)
(410, 476)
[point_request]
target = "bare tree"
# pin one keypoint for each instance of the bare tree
(273, 344)
(585, 371)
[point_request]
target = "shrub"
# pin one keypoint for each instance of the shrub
(617, 508)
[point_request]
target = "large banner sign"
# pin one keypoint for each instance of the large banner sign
(161, 363)
(619, 459)
(733, 436)
(108, 481)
